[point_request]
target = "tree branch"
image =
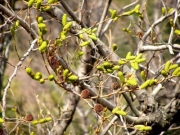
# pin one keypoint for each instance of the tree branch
(158, 47)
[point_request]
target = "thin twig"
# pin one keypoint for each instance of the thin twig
(12, 76)
(103, 16)
(158, 48)
(146, 34)
(119, 12)
(71, 13)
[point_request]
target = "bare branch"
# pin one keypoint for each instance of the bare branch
(71, 13)
(158, 47)
(13, 75)
(103, 16)
(24, 24)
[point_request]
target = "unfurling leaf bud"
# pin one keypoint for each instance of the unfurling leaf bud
(51, 77)
(73, 78)
(141, 60)
(131, 82)
(121, 62)
(100, 68)
(107, 64)
(43, 47)
(121, 76)
(114, 47)
(41, 25)
(173, 66)
(85, 43)
(64, 19)
(175, 72)
(41, 81)
(119, 111)
(34, 122)
(143, 75)
(38, 4)
(113, 13)
(65, 73)
(93, 37)
(80, 53)
(167, 65)
(52, 1)
(40, 19)
(143, 128)
(139, 56)
(144, 85)
(177, 32)
(116, 67)
(134, 65)
(67, 26)
(30, 3)
(29, 71)
(164, 73)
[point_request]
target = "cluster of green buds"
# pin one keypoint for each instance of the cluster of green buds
(113, 13)
(136, 11)
(66, 27)
(69, 77)
(127, 30)
(41, 121)
(129, 80)
(38, 5)
(169, 10)
(133, 60)
(43, 46)
(148, 83)
(86, 40)
(41, 26)
(170, 68)
(108, 67)
(14, 27)
(91, 34)
(41, 31)
(38, 76)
